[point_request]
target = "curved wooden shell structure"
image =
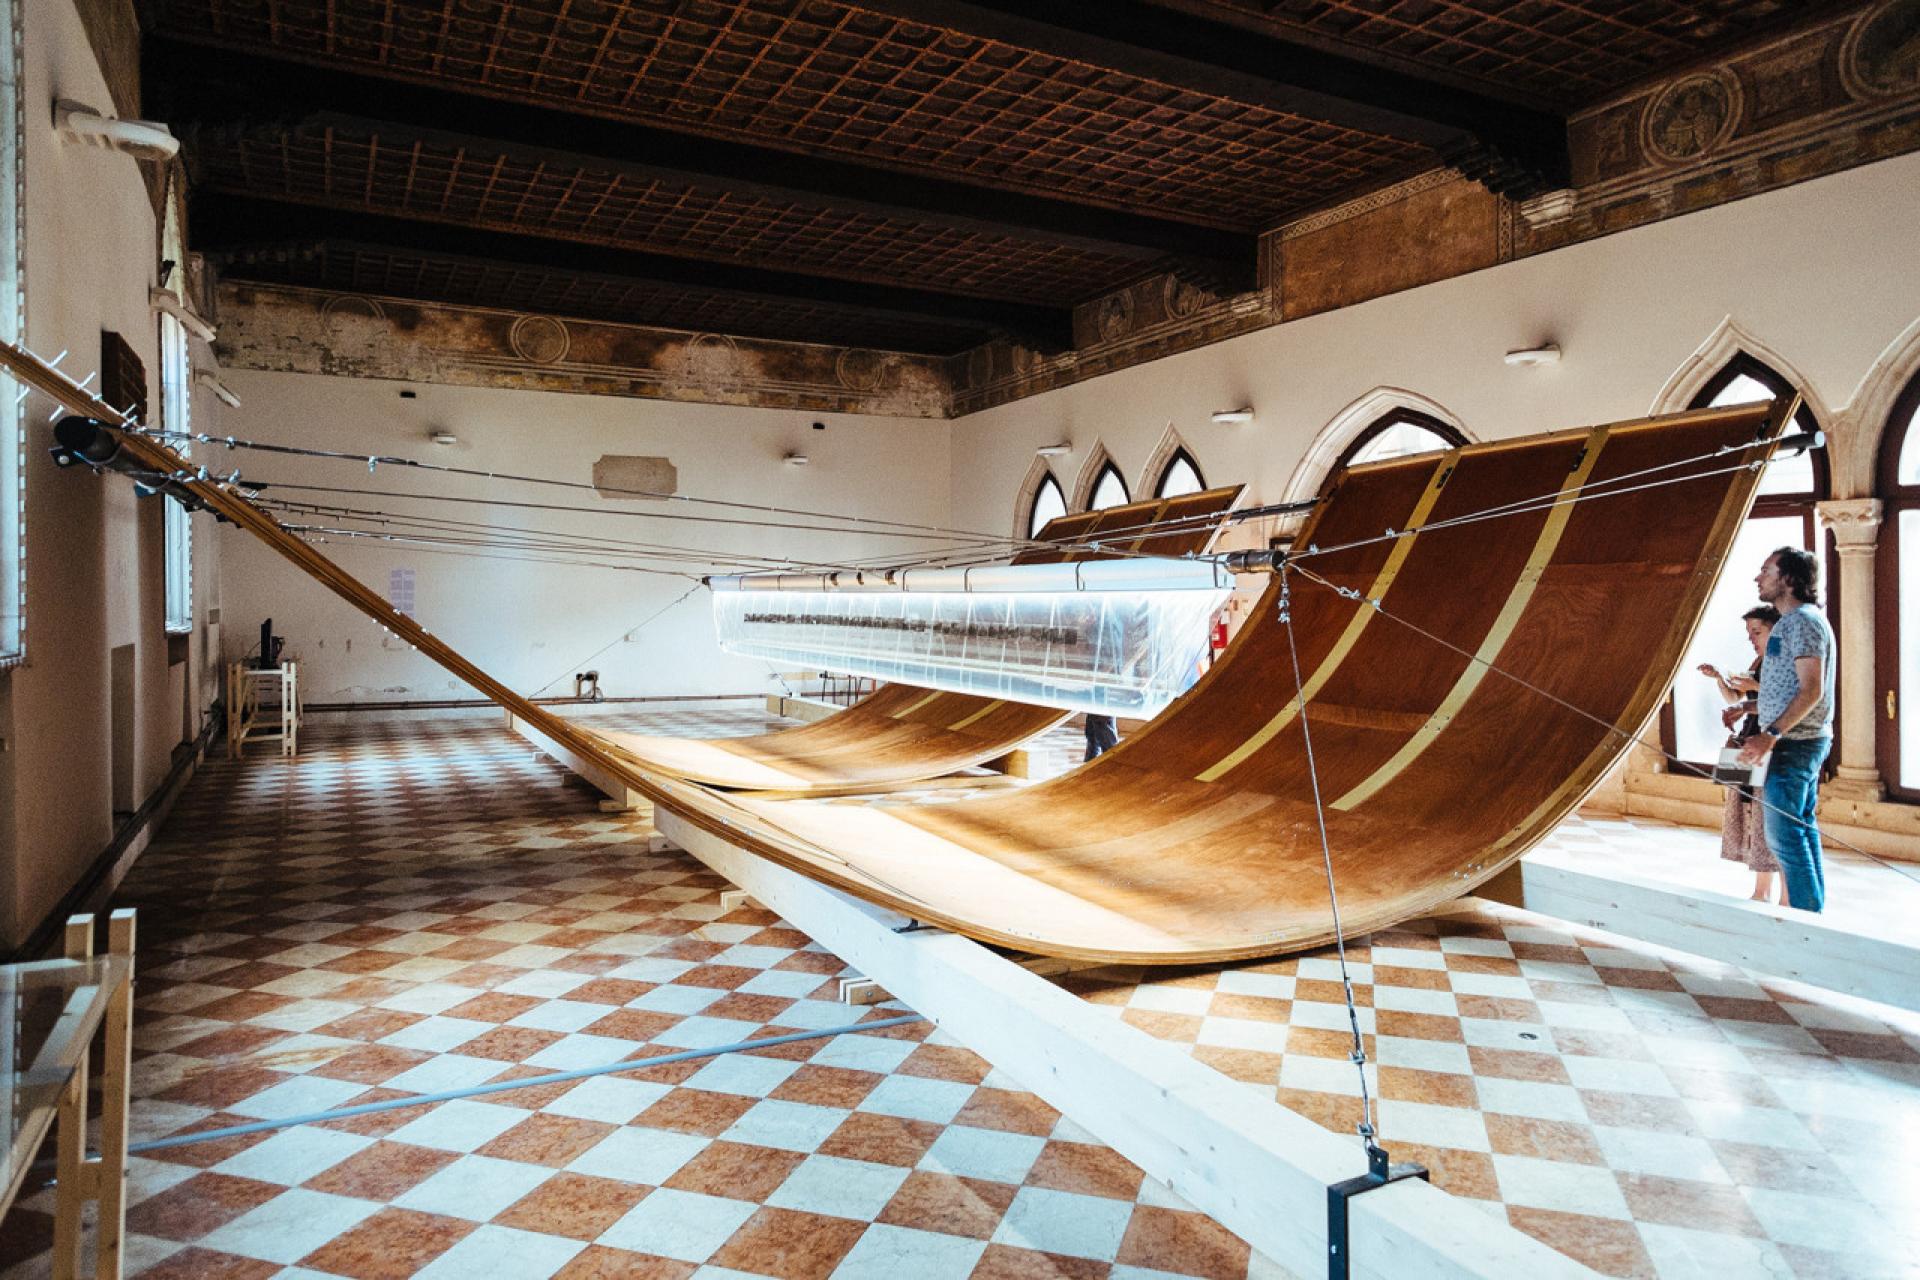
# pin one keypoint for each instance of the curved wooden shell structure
(1198, 838)
(902, 733)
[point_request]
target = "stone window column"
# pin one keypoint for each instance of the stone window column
(1856, 528)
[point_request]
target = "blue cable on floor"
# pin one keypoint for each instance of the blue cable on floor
(502, 1086)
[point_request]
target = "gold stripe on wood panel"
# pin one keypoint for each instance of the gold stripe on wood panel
(912, 707)
(1362, 615)
(987, 710)
(1497, 635)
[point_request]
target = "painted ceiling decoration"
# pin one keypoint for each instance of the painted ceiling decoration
(924, 176)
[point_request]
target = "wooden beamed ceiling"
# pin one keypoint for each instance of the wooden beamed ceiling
(922, 175)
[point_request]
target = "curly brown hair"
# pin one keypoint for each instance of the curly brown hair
(1801, 570)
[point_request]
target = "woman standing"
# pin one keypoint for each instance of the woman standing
(1742, 832)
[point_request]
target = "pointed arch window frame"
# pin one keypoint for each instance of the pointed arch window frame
(1033, 521)
(1180, 455)
(1109, 470)
(1902, 431)
(1395, 417)
(1799, 503)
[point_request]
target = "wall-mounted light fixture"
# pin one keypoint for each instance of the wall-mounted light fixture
(440, 435)
(1233, 417)
(166, 300)
(795, 459)
(1054, 450)
(220, 389)
(141, 139)
(1529, 357)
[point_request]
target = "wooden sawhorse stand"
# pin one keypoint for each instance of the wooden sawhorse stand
(245, 707)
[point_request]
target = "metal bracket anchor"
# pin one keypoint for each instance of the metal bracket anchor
(1379, 1174)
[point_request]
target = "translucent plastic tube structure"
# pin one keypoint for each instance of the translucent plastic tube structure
(1121, 637)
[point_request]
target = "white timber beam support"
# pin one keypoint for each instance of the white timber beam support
(1258, 1169)
(1777, 941)
(619, 798)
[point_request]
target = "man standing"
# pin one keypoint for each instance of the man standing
(1796, 717)
(1103, 735)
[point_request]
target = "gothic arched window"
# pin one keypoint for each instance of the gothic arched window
(1783, 515)
(1048, 504)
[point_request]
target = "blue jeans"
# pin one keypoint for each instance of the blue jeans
(1792, 790)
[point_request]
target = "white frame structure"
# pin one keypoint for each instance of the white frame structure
(176, 414)
(13, 477)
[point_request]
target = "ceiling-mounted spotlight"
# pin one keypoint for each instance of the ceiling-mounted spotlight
(442, 436)
(1233, 417)
(1528, 357)
(795, 459)
(1054, 450)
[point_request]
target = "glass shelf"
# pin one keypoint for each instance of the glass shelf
(49, 1011)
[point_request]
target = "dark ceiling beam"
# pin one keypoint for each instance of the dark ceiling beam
(1151, 42)
(195, 85)
(224, 225)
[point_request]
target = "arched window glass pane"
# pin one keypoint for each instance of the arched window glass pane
(1400, 440)
(1787, 475)
(1907, 624)
(1048, 504)
(1109, 491)
(1908, 469)
(1722, 638)
(1179, 478)
(1906, 602)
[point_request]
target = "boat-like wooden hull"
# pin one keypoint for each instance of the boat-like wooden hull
(1198, 839)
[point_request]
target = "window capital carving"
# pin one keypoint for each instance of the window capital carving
(1855, 521)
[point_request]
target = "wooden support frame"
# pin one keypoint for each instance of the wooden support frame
(250, 718)
(1258, 1169)
(100, 1179)
(1777, 941)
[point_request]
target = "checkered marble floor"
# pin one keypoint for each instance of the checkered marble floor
(1646, 1112)
(424, 907)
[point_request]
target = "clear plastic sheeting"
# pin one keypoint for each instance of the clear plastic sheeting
(1112, 652)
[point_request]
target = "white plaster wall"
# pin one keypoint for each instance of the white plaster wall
(94, 566)
(528, 623)
(1826, 274)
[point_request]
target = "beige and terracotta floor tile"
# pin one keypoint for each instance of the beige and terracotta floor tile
(929, 1201)
(551, 1140)
(1005, 1109)
(209, 1264)
(736, 1171)
(881, 1139)
(384, 1171)
(829, 1086)
(600, 1263)
(391, 1245)
(700, 1111)
(1087, 1170)
(789, 1244)
(1610, 1247)
(574, 1205)
(1181, 1242)
(1005, 1262)
(206, 1201)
